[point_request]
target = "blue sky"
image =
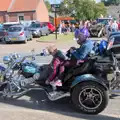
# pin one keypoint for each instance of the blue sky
(55, 1)
(98, 0)
(58, 1)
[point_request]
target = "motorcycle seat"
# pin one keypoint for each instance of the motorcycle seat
(77, 70)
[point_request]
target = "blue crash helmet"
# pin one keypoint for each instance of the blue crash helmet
(102, 47)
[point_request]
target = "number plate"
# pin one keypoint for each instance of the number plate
(14, 39)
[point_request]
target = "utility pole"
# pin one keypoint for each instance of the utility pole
(55, 8)
(55, 24)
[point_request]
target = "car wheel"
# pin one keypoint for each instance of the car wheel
(47, 34)
(8, 42)
(40, 34)
(25, 41)
(31, 37)
(1, 39)
(90, 98)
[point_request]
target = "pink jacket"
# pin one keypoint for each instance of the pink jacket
(58, 68)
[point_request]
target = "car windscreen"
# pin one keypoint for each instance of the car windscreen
(114, 33)
(6, 26)
(34, 25)
(102, 20)
(14, 29)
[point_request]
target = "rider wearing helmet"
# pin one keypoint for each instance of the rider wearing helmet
(80, 54)
(85, 48)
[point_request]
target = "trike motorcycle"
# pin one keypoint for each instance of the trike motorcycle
(86, 84)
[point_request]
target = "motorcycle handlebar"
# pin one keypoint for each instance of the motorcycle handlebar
(32, 56)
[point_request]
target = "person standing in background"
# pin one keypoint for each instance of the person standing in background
(114, 26)
(119, 25)
(60, 28)
(85, 30)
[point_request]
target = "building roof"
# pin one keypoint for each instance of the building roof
(23, 5)
(4, 5)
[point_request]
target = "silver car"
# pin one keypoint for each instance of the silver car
(38, 29)
(18, 33)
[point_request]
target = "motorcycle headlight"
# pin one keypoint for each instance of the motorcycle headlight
(6, 59)
(8, 74)
(16, 56)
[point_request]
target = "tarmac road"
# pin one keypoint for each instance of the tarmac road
(36, 106)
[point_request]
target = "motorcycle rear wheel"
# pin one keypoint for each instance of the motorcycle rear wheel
(90, 98)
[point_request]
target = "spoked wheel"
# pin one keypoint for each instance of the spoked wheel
(90, 98)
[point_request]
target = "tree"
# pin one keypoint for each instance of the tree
(100, 9)
(66, 8)
(82, 9)
(47, 3)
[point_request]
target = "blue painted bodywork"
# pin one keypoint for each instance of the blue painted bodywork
(85, 78)
(2, 68)
(30, 68)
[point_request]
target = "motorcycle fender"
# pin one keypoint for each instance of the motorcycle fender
(87, 78)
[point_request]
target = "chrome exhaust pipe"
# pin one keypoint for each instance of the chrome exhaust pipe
(18, 95)
(50, 97)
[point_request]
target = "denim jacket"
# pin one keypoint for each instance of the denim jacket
(82, 52)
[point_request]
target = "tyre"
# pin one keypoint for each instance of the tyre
(47, 34)
(7, 42)
(31, 37)
(25, 41)
(1, 40)
(90, 98)
(40, 34)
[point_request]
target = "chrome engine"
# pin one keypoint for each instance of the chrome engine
(18, 82)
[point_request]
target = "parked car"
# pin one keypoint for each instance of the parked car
(114, 44)
(27, 23)
(3, 33)
(103, 20)
(38, 29)
(51, 27)
(4, 29)
(97, 30)
(9, 24)
(18, 33)
(114, 33)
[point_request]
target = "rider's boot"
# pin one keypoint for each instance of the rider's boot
(54, 85)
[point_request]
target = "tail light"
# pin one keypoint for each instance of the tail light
(22, 33)
(5, 33)
(110, 44)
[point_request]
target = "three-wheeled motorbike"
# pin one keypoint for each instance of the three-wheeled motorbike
(86, 84)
